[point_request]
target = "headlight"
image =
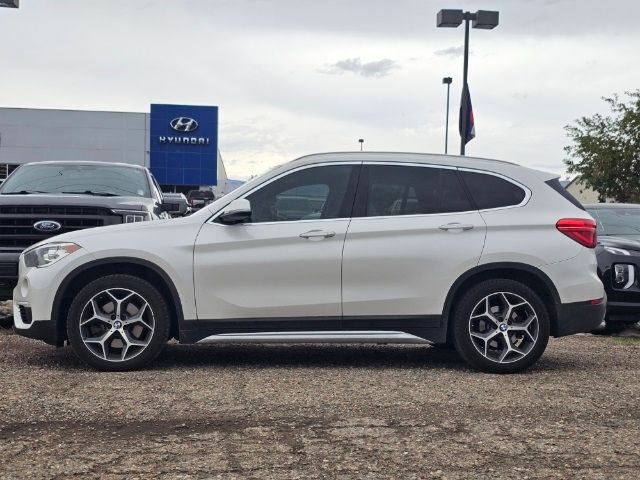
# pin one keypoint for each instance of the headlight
(624, 276)
(617, 251)
(134, 216)
(48, 254)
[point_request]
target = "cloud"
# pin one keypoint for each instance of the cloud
(375, 69)
(453, 52)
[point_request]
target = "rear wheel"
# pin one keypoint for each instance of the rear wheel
(118, 323)
(500, 326)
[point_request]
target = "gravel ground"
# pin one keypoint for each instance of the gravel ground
(321, 411)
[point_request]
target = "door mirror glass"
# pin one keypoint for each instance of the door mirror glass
(238, 211)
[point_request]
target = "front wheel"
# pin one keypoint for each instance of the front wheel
(118, 323)
(500, 326)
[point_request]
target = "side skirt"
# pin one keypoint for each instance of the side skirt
(315, 337)
(376, 329)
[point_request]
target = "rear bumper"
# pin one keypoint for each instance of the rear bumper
(578, 317)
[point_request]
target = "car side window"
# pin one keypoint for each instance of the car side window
(407, 190)
(489, 191)
(322, 192)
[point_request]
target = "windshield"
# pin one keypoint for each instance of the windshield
(104, 180)
(617, 221)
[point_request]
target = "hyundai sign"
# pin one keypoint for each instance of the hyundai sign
(184, 144)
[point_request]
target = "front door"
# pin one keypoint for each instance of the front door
(286, 262)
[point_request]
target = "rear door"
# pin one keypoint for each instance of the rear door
(413, 233)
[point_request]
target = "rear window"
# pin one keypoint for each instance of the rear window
(617, 221)
(201, 194)
(557, 186)
(489, 191)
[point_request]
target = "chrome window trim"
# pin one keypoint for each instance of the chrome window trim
(524, 201)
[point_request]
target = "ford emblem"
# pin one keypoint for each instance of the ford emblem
(47, 226)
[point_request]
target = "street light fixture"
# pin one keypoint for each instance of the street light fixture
(447, 81)
(482, 19)
(361, 141)
(9, 3)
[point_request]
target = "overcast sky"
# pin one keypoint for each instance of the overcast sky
(293, 77)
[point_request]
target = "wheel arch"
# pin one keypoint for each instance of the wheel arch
(527, 274)
(108, 266)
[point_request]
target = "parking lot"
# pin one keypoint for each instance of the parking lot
(321, 411)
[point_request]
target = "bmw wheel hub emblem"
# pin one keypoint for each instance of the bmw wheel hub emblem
(503, 327)
(117, 324)
(47, 226)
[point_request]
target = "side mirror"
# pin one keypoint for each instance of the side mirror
(238, 211)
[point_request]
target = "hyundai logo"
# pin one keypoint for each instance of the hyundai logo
(47, 226)
(184, 124)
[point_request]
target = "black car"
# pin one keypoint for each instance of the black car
(199, 198)
(618, 254)
(44, 199)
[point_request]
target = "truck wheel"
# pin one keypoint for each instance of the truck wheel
(500, 326)
(118, 323)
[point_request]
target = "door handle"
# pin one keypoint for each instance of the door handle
(317, 234)
(456, 226)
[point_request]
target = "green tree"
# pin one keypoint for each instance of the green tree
(606, 150)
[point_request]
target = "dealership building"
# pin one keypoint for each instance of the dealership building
(179, 143)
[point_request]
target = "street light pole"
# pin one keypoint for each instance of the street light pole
(361, 141)
(447, 81)
(483, 19)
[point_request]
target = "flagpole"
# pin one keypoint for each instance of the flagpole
(465, 87)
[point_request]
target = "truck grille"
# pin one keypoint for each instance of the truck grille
(16, 222)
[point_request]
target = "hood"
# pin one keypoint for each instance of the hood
(79, 235)
(122, 203)
(619, 242)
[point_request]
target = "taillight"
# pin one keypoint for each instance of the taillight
(582, 230)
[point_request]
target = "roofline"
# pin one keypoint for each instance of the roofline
(613, 204)
(71, 110)
(87, 162)
(425, 154)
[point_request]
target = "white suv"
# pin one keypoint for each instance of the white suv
(488, 256)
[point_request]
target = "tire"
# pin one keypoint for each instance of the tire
(496, 344)
(106, 341)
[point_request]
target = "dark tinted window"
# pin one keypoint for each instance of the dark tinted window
(312, 193)
(489, 191)
(96, 179)
(201, 194)
(557, 186)
(403, 190)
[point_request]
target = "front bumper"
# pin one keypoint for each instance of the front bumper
(578, 317)
(623, 303)
(44, 330)
(34, 295)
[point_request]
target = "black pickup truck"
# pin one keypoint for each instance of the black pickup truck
(44, 199)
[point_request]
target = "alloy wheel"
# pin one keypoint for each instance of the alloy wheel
(504, 327)
(117, 324)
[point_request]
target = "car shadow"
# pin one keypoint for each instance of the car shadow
(302, 356)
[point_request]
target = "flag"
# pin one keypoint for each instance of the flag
(466, 109)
